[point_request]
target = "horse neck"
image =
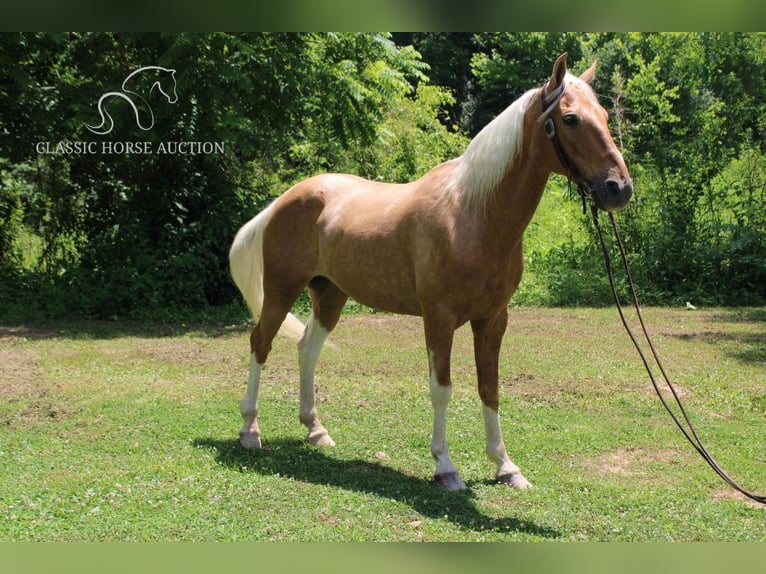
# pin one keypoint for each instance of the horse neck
(514, 202)
(510, 207)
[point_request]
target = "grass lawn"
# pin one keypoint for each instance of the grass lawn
(112, 431)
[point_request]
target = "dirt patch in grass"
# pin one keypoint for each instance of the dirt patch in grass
(681, 392)
(382, 319)
(631, 462)
(20, 373)
(534, 388)
(202, 361)
(22, 384)
(725, 493)
(400, 328)
(573, 391)
(43, 410)
(178, 351)
(23, 332)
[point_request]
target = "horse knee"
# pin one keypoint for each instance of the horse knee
(490, 396)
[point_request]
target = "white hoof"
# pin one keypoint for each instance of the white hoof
(320, 437)
(515, 480)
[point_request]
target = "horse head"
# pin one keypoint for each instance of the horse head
(576, 124)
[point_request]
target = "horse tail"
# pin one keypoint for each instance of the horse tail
(246, 265)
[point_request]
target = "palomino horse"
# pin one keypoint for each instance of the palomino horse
(447, 247)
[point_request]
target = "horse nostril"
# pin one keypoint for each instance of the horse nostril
(614, 194)
(613, 187)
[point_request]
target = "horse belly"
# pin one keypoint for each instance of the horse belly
(373, 271)
(366, 252)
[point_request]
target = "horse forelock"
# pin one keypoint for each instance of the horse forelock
(489, 156)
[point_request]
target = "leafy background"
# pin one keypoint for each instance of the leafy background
(147, 236)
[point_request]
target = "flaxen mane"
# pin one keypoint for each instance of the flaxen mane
(489, 156)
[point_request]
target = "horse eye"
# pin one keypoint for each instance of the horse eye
(570, 120)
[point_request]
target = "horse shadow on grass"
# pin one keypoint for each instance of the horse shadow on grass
(303, 462)
(750, 346)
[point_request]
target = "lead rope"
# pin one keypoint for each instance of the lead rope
(688, 430)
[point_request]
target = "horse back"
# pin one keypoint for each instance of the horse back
(364, 236)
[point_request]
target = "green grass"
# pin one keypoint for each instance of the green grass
(112, 431)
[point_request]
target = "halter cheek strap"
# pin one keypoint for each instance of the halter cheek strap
(550, 101)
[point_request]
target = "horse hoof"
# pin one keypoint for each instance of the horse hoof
(449, 481)
(250, 441)
(514, 480)
(321, 439)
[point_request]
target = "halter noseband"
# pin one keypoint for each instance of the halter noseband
(550, 101)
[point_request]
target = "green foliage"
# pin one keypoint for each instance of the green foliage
(507, 64)
(449, 57)
(732, 231)
(11, 215)
(691, 111)
(563, 263)
(103, 235)
(411, 139)
(687, 110)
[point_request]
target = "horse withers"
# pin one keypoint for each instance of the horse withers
(446, 247)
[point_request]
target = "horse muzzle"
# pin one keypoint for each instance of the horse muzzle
(611, 194)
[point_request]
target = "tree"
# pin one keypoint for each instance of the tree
(448, 55)
(119, 233)
(508, 64)
(690, 104)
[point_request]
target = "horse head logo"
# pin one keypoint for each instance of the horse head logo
(164, 81)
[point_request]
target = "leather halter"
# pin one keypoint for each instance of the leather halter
(550, 101)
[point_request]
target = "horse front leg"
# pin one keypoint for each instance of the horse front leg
(439, 337)
(488, 336)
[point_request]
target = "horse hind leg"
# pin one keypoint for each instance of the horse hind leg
(250, 433)
(309, 348)
(326, 305)
(273, 314)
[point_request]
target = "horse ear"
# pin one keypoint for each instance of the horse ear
(559, 71)
(589, 74)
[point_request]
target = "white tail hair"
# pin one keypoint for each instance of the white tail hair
(246, 264)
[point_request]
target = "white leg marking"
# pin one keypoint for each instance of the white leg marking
(507, 472)
(309, 348)
(250, 434)
(446, 474)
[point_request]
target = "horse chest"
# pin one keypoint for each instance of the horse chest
(486, 278)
